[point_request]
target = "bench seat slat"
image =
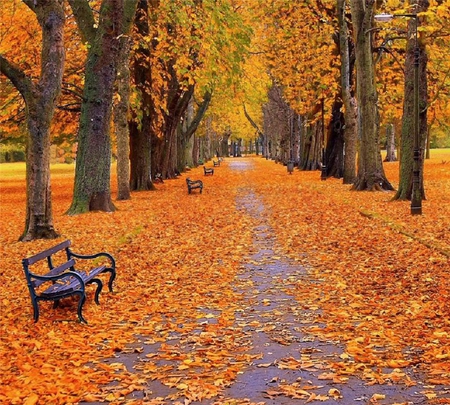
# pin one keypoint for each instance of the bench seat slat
(71, 283)
(54, 272)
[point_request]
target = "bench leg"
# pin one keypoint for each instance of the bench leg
(82, 295)
(35, 309)
(98, 290)
(112, 277)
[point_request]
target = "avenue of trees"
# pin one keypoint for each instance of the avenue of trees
(164, 85)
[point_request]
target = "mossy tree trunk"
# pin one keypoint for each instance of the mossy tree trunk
(40, 99)
(121, 121)
(370, 174)
(92, 189)
(404, 191)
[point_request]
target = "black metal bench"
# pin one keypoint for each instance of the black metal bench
(158, 178)
(193, 184)
(208, 170)
(65, 280)
(216, 163)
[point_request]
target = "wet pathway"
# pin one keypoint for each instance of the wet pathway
(293, 366)
(289, 366)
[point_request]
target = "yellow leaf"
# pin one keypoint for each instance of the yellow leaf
(335, 393)
(378, 397)
(110, 397)
(31, 400)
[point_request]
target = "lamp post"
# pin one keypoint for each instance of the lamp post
(416, 193)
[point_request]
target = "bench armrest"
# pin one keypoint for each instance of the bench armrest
(58, 277)
(93, 256)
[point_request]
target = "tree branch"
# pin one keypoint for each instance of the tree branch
(198, 116)
(19, 79)
(85, 19)
(253, 123)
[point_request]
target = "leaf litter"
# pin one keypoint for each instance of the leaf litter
(379, 295)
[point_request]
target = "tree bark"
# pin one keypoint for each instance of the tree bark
(404, 191)
(371, 174)
(40, 99)
(347, 85)
(92, 190)
(390, 144)
(142, 133)
(121, 121)
(335, 144)
(190, 125)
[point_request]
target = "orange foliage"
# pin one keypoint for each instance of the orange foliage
(383, 294)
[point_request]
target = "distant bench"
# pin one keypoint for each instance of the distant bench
(208, 170)
(216, 162)
(193, 184)
(158, 178)
(65, 280)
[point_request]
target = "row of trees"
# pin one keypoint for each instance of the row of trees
(299, 79)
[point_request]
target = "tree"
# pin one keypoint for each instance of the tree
(121, 127)
(370, 174)
(346, 48)
(93, 168)
(186, 50)
(40, 99)
(142, 129)
(405, 188)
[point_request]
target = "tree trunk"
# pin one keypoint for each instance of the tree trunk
(121, 121)
(312, 153)
(350, 110)
(335, 144)
(404, 191)
(224, 150)
(92, 190)
(142, 135)
(188, 128)
(370, 166)
(390, 144)
(93, 164)
(140, 156)
(40, 99)
(195, 150)
(177, 103)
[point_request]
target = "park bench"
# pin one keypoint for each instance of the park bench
(193, 184)
(158, 178)
(208, 170)
(216, 162)
(64, 279)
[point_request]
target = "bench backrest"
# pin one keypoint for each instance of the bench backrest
(47, 254)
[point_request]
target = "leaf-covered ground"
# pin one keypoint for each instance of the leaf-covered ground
(376, 282)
